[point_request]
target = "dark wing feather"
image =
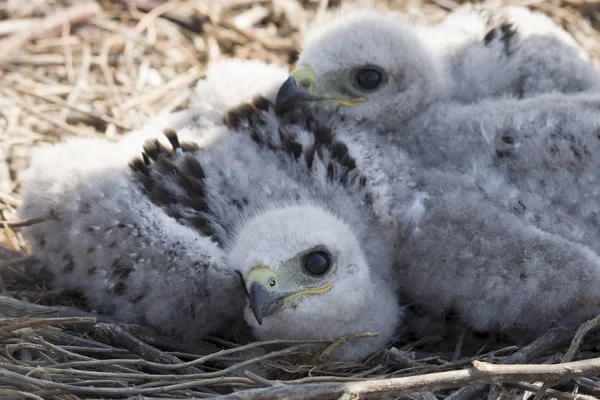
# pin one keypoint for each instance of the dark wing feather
(173, 178)
(250, 117)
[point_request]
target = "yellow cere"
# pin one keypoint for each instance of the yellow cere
(306, 80)
(262, 274)
(266, 275)
(304, 76)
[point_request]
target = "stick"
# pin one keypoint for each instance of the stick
(396, 358)
(589, 386)
(19, 394)
(24, 223)
(480, 373)
(133, 391)
(116, 336)
(182, 18)
(72, 15)
(21, 323)
(14, 308)
(579, 336)
(551, 392)
(550, 340)
(74, 107)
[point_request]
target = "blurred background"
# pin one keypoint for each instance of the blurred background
(101, 68)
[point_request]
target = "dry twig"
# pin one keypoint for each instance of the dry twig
(98, 69)
(480, 373)
(37, 29)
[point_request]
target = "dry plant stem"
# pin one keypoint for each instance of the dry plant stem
(60, 350)
(10, 26)
(259, 379)
(60, 70)
(92, 391)
(114, 335)
(19, 394)
(59, 373)
(71, 15)
(333, 347)
(542, 390)
(480, 373)
(35, 322)
(50, 119)
(74, 107)
(10, 307)
(459, 344)
(206, 375)
(148, 335)
(301, 344)
(579, 336)
(545, 343)
(551, 392)
(462, 362)
(24, 223)
(67, 339)
(9, 199)
(186, 21)
(447, 4)
(401, 361)
(162, 379)
(549, 341)
(178, 83)
(589, 386)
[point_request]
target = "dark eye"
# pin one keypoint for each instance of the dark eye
(317, 263)
(368, 78)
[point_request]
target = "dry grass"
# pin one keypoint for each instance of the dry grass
(100, 68)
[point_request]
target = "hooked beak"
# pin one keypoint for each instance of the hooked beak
(263, 301)
(290, 95)
(268, 294)
(301, 87)
(264, 291)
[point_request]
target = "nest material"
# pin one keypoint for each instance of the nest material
(99, 69)
(49, 352)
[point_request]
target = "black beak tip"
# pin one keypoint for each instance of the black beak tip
(257, 315)
(259, 296)
(263, 301)
(286, 95)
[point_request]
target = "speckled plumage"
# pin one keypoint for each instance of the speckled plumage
(166, 240)
(426, 68)
(505, 251)
(509, 51)
(494, 202)
(414, 99)
(103, 231)
(107, 240)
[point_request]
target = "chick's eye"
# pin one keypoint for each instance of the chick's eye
(368, 78)
(317, 263)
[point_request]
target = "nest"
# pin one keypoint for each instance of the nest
(100, 69)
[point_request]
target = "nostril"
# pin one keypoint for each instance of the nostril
(272, 282)
(305, 84)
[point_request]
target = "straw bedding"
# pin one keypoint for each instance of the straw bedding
(100, 68)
